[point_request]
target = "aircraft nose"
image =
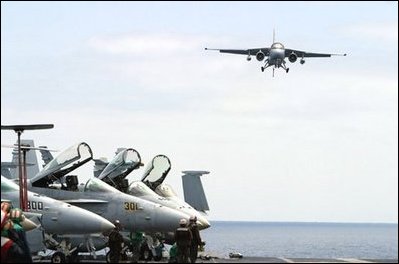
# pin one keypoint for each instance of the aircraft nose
(202, 223)
(74, 220)
(93, 223)
(167, 219)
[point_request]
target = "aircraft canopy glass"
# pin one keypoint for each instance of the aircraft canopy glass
(8, 185)
(97, 185)
(123, 163)
(156, 171)
(64, 163)
(277, 45)
(138, 189)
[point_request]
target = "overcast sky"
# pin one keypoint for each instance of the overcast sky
(317, 144)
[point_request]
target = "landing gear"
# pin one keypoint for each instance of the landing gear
(266, 65)
(284, 67)
(58, 257)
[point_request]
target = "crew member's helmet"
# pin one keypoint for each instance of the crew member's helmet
(183, 222)
(118, 224)
(193, 218)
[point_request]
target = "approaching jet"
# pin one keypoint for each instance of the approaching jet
(55, 218)
(275, 55)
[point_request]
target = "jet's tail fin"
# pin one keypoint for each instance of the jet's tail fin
(31, 159)
(99, 166)
(46, 155)
(193, 191)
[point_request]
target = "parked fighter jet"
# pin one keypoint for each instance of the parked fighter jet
(275, 55)
(55, 217)
(134, 214)
(126, 161)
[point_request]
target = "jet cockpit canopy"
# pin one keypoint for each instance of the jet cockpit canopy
(64, 163)
(156, 171)
(277, 45)
(122, 164)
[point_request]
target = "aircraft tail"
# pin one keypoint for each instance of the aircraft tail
(31, 160)
(46, 155)
(193, 191)
(274, 35)
(99, 166)
(101, 163)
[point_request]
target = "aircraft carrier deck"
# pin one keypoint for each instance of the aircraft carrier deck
(101, 259)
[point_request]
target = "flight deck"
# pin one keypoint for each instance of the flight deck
(207, 259)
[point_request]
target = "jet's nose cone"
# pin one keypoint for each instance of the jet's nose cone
(93, 223)
(74, 220)
(202, 223)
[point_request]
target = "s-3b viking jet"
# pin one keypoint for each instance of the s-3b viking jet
(276, 54)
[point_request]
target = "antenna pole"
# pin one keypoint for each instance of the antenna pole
(23, 191)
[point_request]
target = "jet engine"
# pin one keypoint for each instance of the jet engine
(292, 57)
(260, 55)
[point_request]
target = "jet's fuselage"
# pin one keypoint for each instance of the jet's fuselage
(277, 54)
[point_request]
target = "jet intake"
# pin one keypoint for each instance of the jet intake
(260, 55)
(292, 57)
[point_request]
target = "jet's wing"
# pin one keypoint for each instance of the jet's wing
(304, 54)
(243, 52)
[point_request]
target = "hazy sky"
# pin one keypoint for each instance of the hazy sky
(317, 144)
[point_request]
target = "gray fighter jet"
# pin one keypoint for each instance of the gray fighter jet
(150, 187)
(134, 214)
(54, 217)
(125, 161)
(276, 54)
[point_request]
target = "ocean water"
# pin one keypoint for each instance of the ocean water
(302, 240)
